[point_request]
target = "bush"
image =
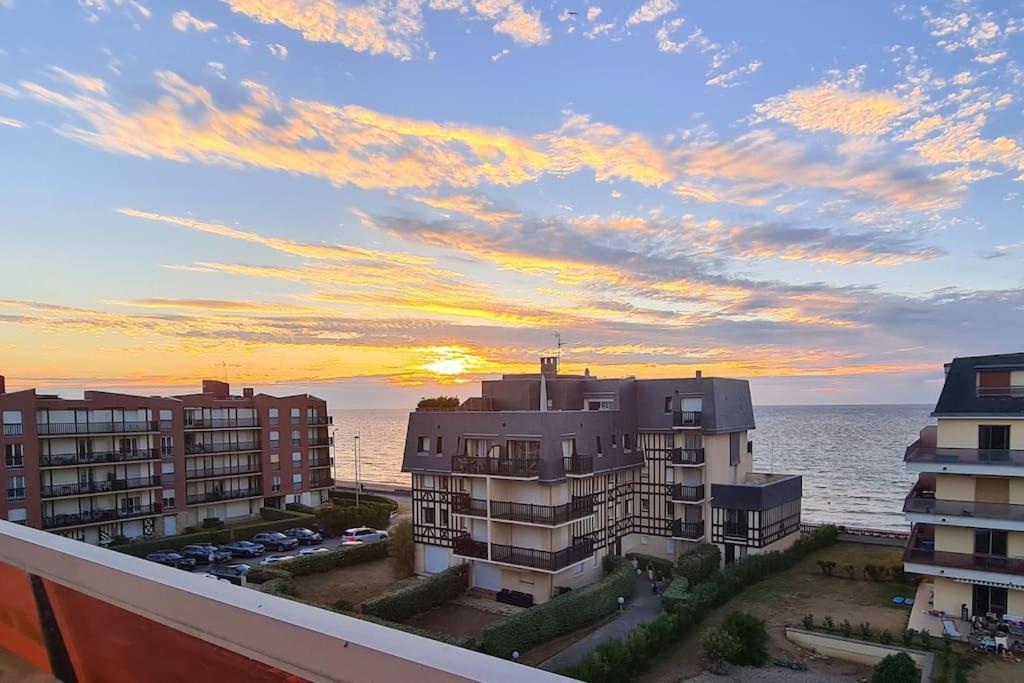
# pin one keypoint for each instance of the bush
(720, 648)
(885, 637)
(192, 535)
(281, 586)
(897, 668)
(299, 507)
(908, 637)
(343, 605)
(675, 596)
(337, 519)
(850, 571)
(264, 574)
(846, 628)
(698, 564)
(827, 567)
(273, 514)
(865, 630)
(119, 539)
(752, 635)
(830, 625)
(560, 615)
(661, 566)
(348, 499)
(439, 402)
(808, 621)
(926, 639)
(403, 550)
(320, 562)
(213, 523)
(190, 530)
(874, 572)
(433, 591)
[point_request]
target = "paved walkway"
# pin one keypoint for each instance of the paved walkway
(645, 607)
(486, 605)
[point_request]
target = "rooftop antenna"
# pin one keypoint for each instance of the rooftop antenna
(558, 345)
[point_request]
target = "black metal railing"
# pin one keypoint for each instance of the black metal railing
(500, 467)
(687, 456)
(1013, 391)
(926, 505)
(17, 493)
(216, 496)
(59, 428)
(104, 486)
(238, 447)
(465, 546)
(686, 418)
(316, 443)
(578, 464)
(322, 483)
(99, 516)
(319, 421)
(963, 456)
(205, 473)
(921, 550)
(12, 430)
(687, 494)
(542, 514)
(687, 530)
(322, 461)
(222, 423)
(93, 458)
(463, 504)
(550, 560)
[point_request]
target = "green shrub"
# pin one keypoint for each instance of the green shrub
(119, 539)
(720, 647)
(348, 499)
(213, 523)
(926, 639)
(897, 574)
(273, 514)
(808, 621)
(439, 402)
(299, 507)
(873, 572)
(334, 559)
(850, 571)
(264, 574)
(403, 550)
(217, 537)
(830, 625)
(343, 605)
(908, 637)
(190, 530)
(426, 594)
(467, 642)
(846, 628)
(675, 596)
(337, 519)
(752, 635)
(560, 615)
(698, 564)
(865, 630)
(281, 586)
(897, 668)
(827, 567)
(885, 637)
(661, 565)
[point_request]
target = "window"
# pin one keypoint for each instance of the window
(14, 455)
(16, 487)
(734, 448)
(670, 475)
(600, 404)
(296, 437)
(275, 439)
(17, 515)
(990, 542)
(645, 506)
(275, 417)
(166, 445)
(169, 503)
(988, 600)
(12, 423)
(444, 517)
(627, 441)
(670, 547)
(668, 404)
(615, 440)
(643, 540)
(440, 448)
(275, 483)
(994, 436)
(523, 450)
(167, 468)
(599, 453)
(296, 458)
(275, 461)
(578, 569)
(423, 445)
(296, 481)
(627, 507)
(296, 412)
(428, 515)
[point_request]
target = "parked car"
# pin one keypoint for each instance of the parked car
(312, 551)
(304, 536)
(322, 530)
(348, 544)
(211, 576)
(206, 554)
(171, 558)
(275, 541)
(274, 559)
(364, 534)
(230, 572)
(244, 549)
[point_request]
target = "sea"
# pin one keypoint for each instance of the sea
(850, 456)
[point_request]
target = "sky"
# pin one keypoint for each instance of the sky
(378, 200)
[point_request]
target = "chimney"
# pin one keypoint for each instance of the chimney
(549, 366)
(247, 392)
(3, 385)
(218, 389)
(699, 374)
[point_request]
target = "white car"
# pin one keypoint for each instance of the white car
(268, 561)
(312, 551)
(215, 578)
(364, 534)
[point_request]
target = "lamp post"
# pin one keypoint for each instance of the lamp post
(355, 459)
(334, 451)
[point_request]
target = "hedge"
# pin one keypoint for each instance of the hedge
(561, 614)
(299, 507)
(273, 514)
(264, 574)
(316, 563)
(661, 565)
(676, 592)
(284, 586)
(348, 498)
(216, 537)
(698, 564)
(424, 595)
(338, 518)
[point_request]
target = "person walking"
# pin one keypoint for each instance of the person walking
(650, 572)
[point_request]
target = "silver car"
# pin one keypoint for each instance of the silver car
(364, 534)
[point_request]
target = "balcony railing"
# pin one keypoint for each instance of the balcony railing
(321, 483)
(208, 472)
(238, 447)
(549, 560)
(17, 493)
(12, 430)
(217, 496)
(99, 516)
(105, 486)
(462, 504)
(98, 458)
(316, 443)
(916, 453)
(320, 421)
(687, 530)
(499, 467)
(922, 501)
(542, 514)
(1013, 391)
(578, 464)
(687, 456)
(222, 423)
(688, 494)
(686, 418)
(921, 550)
(60, 428)
(465, 546)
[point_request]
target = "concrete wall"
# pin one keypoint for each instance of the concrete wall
(851, 650)
(950, 595)
(964, 433)
(954, 539)
(954, 487)
(537, 584)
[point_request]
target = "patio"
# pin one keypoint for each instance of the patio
(920, 619)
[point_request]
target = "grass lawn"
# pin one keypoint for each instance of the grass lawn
(356, 584)
(783, 599)
(455, 620)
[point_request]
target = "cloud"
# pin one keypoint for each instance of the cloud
(498, 55)
(593, 13)
(184, 22)
(598, 30)
(239, 40)
(11, 123)
(728, 79)
(217, 69)
(830, 107)
(991, 58)
(79, 81)
(523, 26)
(476, 207)
(278, 50)
(650, 11)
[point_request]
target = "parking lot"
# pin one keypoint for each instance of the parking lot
(329, 544)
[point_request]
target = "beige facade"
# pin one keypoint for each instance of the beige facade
(963, 432)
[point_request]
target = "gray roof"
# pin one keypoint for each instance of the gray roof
(959, 393)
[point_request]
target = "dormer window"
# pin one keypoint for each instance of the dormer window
(1000, 384)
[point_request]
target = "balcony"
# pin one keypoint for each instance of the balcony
(85, 488)
(465, 546)
(223, 423)
(688, 531)
(17, 493)
(921, 550)
(219, 496)
(207, 448)
(317, 443)
(578, 465)
(99, 516)
(686, 418)
(12, 430)
(682, 493)
(320, 421)
(98, 458)
(1013, 391)
(322, 461)
(547, 515)
(921, 501)
(547, 560)
(210, 472)
(525, 468)
(927, 458)
(71, 428)
(463, 504)
(687, 456)
(321, 483)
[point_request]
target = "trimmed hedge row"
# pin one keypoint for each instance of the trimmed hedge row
(347, 498)
(337, 518)
(562, 614)
(661, 565)
(322, 562)
(623, 660)
(284, 586)
(405, 602)
(219, 537)
(273, 514)
(698, 564)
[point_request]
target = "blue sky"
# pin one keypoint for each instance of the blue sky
(394, 199)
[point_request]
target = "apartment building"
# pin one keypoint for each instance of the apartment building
(967, 507)
(112, 464)
(540, 476)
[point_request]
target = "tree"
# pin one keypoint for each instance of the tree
(403, 550)
(752, 634)
(897, 668)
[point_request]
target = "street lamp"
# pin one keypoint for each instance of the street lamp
(355, 458)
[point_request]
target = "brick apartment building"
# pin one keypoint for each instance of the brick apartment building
(534, 481)
(113, 464)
